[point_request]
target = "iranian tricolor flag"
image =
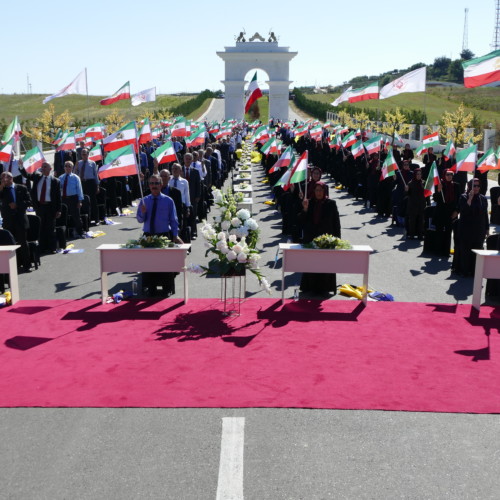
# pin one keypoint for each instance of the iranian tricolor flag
(364, 93)
(165, 153)
(261, 134)
(156, 132)
(466, 159)
(179, 128)
(316, 132)
(488, 161)
(286, 176)
(213, 128)
(373, 145)
(283, 161)
(33, 160)
(95, 154)
(80, 135)
(450, 150)
(225, 130)
(95, 131)
(253, 93)
(270, 147)
(389, 167)
(119, 162)
(88, 142)
(145, 132)
(301, 130)
(299, 171)
(125, 136)
(429, 141)
(357, 149)
(482, 70)
(122, 93)
(336, 142)
(349, 139)
(342, 97)
(67, 142)
(13, 131)
(6, 150)
(432, 180)
(196, 139)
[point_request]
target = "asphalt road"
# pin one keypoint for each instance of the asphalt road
(288, 454)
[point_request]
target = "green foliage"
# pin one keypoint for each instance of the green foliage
(191, 105)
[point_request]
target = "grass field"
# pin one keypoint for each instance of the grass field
(483, 102)
(29, 106)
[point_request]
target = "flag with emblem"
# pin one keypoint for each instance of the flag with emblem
(316, 132)
(261, 134)
(67, 142)
(125, 136)
(357, 149)
(364, 93)
(165, 153)
(122, 93)
(466, 159)
(342, 97)
(488, 161)
(253, 93)
(95, 131)
(283, 161)
(450, 150)
(432, 180)
(270, 147)
(95, 154)
(373, 145)
(118, 163)
(179, 127)
(349, 140)
(299, 171)
(13, 131)
(389, 167)
(197, 138)
(6, 150)
(414, 81)
(145, 132)
(148, 95)
(33, 160)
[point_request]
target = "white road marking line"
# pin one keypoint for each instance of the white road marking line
(230, 483)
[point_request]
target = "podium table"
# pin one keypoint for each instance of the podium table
(114, 258)
(296, 258)
(8, 265)
(487, 266)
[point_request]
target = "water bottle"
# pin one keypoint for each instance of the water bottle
(296, 295)
(134, 287)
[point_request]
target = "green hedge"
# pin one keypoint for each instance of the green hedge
(187, 107)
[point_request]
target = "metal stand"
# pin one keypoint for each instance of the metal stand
(232, 293)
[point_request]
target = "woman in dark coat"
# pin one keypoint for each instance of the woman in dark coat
(473, 226)
(319, 216)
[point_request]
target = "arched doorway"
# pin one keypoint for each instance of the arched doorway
(256, 53)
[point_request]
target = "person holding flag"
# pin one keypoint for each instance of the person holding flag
(416, 206)
(319, 216)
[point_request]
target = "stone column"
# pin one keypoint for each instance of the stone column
(278, 99)
(234, 102)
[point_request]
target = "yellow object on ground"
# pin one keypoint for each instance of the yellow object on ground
(238, 153)
(269, 202)
(352, 291)
(265, 181)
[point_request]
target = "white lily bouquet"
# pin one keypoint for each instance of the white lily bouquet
(232, 238)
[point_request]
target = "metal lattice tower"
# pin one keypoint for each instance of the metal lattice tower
(465, 43)
(496, 31)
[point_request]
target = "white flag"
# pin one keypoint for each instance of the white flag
(77, 86)
(342, 97)
(414, 81)
(148, 95)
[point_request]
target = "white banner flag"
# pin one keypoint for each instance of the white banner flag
(77, 86)
(342, 97)
(414, 81)
(148, 95)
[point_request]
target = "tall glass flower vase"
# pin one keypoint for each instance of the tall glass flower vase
(232, 292)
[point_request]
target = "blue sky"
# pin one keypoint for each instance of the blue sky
(172, 45)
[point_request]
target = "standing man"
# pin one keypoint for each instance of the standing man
(72, 196)
(87, 171)
(174, 193)
(193, 177)
(416, 206)
(15, 199)
(46, 196)
(157, 212)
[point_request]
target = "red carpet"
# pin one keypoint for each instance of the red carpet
(334, 354)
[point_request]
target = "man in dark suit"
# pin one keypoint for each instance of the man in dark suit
(15, 199)
(193, 177)
(46, 196)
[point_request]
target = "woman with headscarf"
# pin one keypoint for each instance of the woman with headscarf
(473, 226)
(319, 216)
(315, 177)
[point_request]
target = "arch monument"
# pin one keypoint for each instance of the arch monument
(261, 54)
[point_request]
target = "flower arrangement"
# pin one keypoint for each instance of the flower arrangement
(150, 242)
(245, 167)
(327, 241)
(245, 175)
(232, 238)
(243, 186)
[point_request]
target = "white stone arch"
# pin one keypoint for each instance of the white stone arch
(269, 57)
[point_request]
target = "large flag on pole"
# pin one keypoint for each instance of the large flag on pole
(414, 81)
(253, 93)
(6, 150)
(165, 153)
(77, 86)
(148, 95)
(12, 131)
(118, 163)
(33, 160)
(432, 180)
(121, 138)
(364, 93)
(120, 94)
(466, 159)
(342, 97)
(482, 70)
